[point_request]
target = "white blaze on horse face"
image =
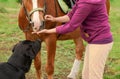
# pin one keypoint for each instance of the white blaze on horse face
(35, 18)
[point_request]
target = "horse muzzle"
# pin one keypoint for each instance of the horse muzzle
(37, 27)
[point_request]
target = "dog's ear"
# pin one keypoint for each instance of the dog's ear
(34, 48)
(14, 48)
(31, 53)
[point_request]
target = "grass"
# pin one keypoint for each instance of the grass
(10, 34)
(9, 31)
(113, 66)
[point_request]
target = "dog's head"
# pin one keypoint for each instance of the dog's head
(23, 53)
(27, 48)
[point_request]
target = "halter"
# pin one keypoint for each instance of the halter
(29, 14)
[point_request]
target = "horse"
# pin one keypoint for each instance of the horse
(31, 18)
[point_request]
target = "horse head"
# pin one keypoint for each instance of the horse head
(33, 11)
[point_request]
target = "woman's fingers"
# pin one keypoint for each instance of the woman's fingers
(42, 31)
(34, 32)
(49, 17)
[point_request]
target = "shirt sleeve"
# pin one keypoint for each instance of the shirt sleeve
(80, 14)
(70, 14)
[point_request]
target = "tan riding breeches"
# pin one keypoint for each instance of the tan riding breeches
(94, 60)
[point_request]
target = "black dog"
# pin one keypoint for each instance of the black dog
(20, 61)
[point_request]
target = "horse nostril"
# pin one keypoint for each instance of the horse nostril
(34, 29)
(42, 25)
(32, 23)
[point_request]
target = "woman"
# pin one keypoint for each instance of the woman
(91, 16)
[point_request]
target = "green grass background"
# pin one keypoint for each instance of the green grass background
(10, 34)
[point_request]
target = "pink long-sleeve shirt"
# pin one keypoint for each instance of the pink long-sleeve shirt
(91, 16)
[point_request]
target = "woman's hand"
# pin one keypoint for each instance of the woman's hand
(49, 18)
(45, 31)
(61, 19)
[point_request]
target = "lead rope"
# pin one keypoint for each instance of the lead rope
(56, 16)
(45, 9)
(56, 8)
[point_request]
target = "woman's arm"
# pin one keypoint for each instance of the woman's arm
(64, 18)
(80, 14)
(46, 31)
